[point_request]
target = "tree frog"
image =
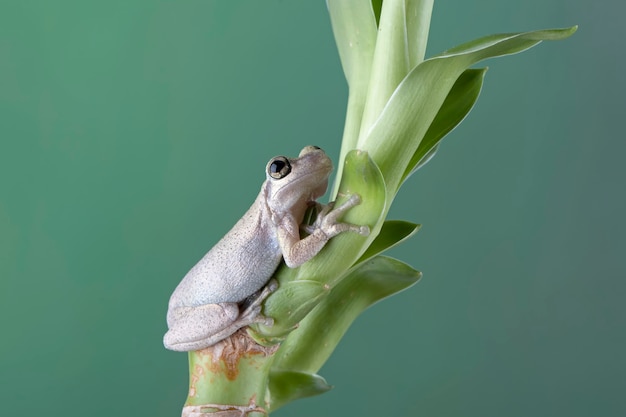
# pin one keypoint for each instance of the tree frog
(223, 292)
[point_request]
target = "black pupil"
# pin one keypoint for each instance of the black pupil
(277, 166)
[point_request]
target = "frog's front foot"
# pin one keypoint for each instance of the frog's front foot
(328, 219)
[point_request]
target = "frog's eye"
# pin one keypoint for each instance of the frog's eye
(279, 167)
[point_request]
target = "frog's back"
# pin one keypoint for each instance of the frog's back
(236, 267)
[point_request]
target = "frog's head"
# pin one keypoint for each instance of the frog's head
(294, 182)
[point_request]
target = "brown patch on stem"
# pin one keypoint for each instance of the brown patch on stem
(230, 350)
(195, 376)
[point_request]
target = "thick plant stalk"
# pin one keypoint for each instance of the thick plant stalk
(230, 378)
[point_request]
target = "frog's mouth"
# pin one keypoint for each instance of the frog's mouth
(316, 177)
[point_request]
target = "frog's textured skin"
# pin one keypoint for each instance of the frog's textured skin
(208, 304)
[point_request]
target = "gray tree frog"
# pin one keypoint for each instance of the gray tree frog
(223, 292)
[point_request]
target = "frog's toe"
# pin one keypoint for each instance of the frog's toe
(272, 285)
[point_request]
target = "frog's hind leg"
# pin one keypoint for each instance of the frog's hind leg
(194, 328)
(251, 307)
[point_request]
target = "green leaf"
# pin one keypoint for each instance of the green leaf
(287, 306)
(390, 63)
(418, 25)
(392, 233)
(287, 386)
(400, 45)
(376, 7)
(362, 177)
(354, 27)
(308, 347)
(455, 107)
(394, 138)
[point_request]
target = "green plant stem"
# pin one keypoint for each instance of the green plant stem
(231, 376)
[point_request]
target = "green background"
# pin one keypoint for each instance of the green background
(133, 134)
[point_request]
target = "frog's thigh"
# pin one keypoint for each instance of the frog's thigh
(189, 324)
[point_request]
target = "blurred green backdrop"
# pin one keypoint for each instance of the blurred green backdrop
(133, 134)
